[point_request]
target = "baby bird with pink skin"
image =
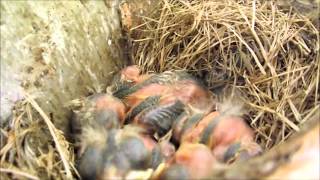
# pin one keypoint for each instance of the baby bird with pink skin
(171, 86)
(228, 135)
(133, 73)
(132, 126)
(113, 153)
(191, 161)
(224, 131)
(156, 102)
(97, 110)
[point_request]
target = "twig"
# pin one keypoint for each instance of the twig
(19, 173)
(282, 117)
(52, 130)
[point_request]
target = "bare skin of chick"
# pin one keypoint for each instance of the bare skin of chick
(133, 73)
(171, 86)
(191, 93)
(197, 158)
(98, 110)
(238, 151)
(194, 134)
(184, 126)
(223, 133)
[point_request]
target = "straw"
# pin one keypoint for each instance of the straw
(272, 55)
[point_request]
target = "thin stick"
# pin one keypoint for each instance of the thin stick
(282, 117)
(253, 14)
(249, 48)
(281, 74)
(19, 173)
(52, 130)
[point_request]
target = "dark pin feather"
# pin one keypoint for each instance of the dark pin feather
(160, 119)
(231, 152)
(208, 130)
(191, 121)
(163, 78)
(146, 103)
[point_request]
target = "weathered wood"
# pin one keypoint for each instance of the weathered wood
(57, 51)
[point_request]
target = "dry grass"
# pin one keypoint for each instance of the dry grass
(32, 148)
(270, 56)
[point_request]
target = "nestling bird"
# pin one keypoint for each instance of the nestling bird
(191, 92)
(167, 150)
(95, 111)
(113, 153)
(193, 135)
(162, 153)
(126, 78)
(164, 89)
(171, 86)
(159, 119)
(225, 129)
(133, 74)
(132, 129)
(194, 160)
(137, 109)
(135, 151)
(174, 172)
(152, 79)
(91, 156)
(98, 110)
(184, 125)
(238, 151)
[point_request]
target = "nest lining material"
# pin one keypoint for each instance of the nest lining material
(33, 148)
(270, 56)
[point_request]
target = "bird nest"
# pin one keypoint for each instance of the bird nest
(269, 55)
